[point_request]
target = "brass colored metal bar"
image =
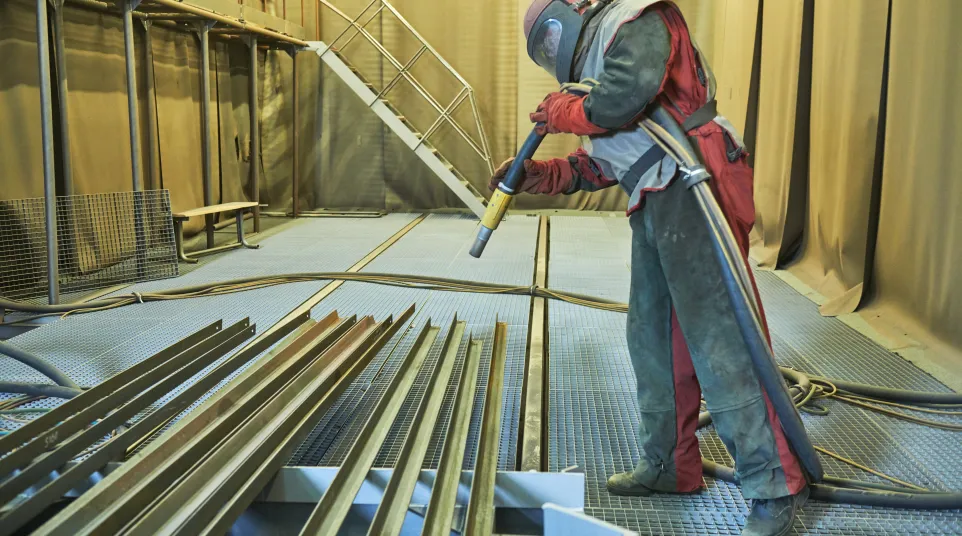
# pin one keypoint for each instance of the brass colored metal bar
(33, 506)
(352, 22)
(88, 506)
(88, 398)
(362, 26)
(74, 434)
(333, 507)
(195, 500)
(246, 494)
(481, 133)
(440, 513)
(480, 517)
(534, 416)
(389, 518)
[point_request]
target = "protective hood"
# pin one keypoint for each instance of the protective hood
(553, 29)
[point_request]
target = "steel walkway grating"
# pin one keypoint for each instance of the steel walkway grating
(593, 412)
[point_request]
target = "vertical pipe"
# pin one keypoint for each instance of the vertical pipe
(153, 181)
(255, 135)
(60, 54)
(131, 64)
(205, 127)
(134, 123)
(297, 130)
(46, 132)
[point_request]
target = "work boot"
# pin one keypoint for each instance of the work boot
(774, 517)
(626, 485)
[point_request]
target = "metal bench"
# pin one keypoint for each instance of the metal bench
(181, 217)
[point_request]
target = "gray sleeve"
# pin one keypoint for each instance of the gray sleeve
(634, 69)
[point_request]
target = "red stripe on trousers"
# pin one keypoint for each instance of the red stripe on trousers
(687, 404)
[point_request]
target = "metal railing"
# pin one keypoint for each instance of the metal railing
(479, 145)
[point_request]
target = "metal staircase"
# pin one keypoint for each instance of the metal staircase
(332, 54)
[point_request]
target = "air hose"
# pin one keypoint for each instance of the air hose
(37, 364)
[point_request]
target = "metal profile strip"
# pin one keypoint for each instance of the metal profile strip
(195, 499)
(110, 508)
(257, 482)
(390, 515)
(480, 517)
(333, 507)
(444, 494)
(534, 423)
(23, 512)
(90, 504)
(88, 398)
(58, 445)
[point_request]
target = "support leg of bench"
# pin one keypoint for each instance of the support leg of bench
(179, 239)
(240, 232)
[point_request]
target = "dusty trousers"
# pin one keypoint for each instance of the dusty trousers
(683, 341)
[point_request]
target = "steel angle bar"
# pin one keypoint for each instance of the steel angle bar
(88, 398)
(59, 444)
(15, 517)
(112, 508)
(333, 507)
(246, 493)
(121, 481)
(480, 517)
(391, 513)
(444, 494)
(197, 498)
(532, 447)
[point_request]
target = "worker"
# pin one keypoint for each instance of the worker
(682, 335)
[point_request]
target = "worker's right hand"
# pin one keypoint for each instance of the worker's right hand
(549, 177)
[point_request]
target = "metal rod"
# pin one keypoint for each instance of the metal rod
(26, 510)
(204, 34)
(153, 158)
(362, 26)
(424, 42)
(49, 176)
(480, 517)
(444, 494)
(353, 22)
(390, 515)
(194, 500)
(132, 116)
(533, 442)
(398, 76)
(458, 99)
(88, 398)
(333, 507)
(295, 172)
(255, 133)
(60, 54)
(481, 133)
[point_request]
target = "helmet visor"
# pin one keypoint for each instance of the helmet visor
(545, 44)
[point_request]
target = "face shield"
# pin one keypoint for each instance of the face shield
(554, 37)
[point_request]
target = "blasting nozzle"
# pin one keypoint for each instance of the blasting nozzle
(484, 234)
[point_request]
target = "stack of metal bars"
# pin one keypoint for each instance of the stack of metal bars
(438, 246)
(102, 240)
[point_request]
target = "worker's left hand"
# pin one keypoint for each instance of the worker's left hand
(564, 113)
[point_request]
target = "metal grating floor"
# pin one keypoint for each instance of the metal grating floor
(90, 348)
(594, 414)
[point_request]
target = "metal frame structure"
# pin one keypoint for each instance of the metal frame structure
(168, 13)
(480, 146)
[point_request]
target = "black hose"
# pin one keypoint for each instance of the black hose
(894, 395)
(38, 364)
(39, 389)
(881, 496)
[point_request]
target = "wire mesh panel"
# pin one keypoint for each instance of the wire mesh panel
(102, 239)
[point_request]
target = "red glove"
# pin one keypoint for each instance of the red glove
(564, 112)
(548, 177)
